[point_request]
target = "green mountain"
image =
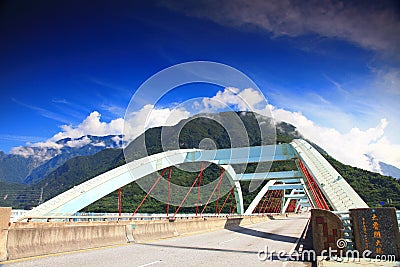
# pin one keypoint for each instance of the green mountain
(15, 168)
(372, 187)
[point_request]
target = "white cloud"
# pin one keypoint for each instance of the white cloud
(137, 122)
(77, 143)
(386, 152)
(22, 151)
(21, 138)
(41, 151)
(44, 112)
(113, 109)
(91, 126)
(48, 144)
(244, 100)
(345, 103)
(102, 144)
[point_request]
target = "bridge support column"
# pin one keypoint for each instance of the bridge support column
(285, 205)
(238, 198)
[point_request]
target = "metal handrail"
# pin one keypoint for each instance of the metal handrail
(345, 217)
(128, 217)
(348, 227)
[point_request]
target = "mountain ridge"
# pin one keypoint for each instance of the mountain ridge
(389, 170)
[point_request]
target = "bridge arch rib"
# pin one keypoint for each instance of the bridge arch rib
(340, 195)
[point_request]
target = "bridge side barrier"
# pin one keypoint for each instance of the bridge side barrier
(33, 239)
(26, 239)
(142, 231)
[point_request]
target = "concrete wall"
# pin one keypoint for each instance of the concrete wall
(147, 231)
(32, 239)
(41, 238)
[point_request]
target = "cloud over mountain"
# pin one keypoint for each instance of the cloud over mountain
(91, 126)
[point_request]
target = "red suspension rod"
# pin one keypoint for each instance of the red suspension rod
(198, 193)
(219, 192)
(169, 190)
(226, 199)
(119, 202)
(187, 194)
(148, 193)
(233, 210)
(278, 202)
(221, 173)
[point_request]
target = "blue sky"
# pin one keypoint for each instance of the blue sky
(326, 66)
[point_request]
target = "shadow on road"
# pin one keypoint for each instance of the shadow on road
(201, 248)
(266, 235)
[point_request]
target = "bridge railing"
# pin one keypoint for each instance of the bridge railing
(348, 228)
(101, 217)
(398, 218)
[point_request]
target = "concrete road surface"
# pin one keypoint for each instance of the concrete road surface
(236, 247)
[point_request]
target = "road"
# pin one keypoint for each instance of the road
(234, 247)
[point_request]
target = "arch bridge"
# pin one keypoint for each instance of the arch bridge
(313, 183)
